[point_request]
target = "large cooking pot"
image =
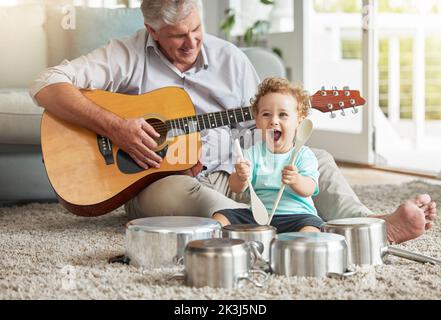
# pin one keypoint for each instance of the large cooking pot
(367, 241)
(309, 254)
(252, 232)
(160, 241)
(220, 263)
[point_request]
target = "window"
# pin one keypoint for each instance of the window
(280, 15)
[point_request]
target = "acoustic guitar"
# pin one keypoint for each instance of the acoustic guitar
(92, 176)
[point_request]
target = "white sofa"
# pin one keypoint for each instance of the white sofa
(35, 39)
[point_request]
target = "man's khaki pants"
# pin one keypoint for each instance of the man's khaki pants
(181, 195)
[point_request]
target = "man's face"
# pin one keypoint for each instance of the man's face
(180, 43)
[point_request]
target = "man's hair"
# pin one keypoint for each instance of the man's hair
(158, 13)
(283, 86)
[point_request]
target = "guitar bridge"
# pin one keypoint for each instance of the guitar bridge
(105, 146)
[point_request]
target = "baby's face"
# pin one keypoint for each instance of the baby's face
(277, 117)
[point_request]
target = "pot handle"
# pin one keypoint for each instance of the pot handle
(411, 255)
(177, 276)
(256, 283)
(178, 260)
(349, 272)
(256, 251)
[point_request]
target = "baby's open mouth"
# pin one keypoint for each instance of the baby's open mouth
(276, 135)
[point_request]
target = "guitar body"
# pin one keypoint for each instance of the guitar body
(89, 185)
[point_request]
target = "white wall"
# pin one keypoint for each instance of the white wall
(213, 15)
(23, 45)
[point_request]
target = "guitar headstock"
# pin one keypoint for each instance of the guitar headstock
(335, 100)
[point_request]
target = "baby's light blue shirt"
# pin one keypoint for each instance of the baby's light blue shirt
(266, 177)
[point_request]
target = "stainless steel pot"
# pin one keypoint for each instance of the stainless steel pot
(367, 241)
(309, 254)
(219, 263)
(252, 232)
(160, 241)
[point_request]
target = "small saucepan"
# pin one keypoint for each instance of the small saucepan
(367, 241)
(220, 263)
(252, 232)
(307, 254)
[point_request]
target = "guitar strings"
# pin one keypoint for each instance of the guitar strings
(221, 116)
(223, 119)
(217, 116)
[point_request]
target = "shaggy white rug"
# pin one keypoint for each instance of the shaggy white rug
(48, 253)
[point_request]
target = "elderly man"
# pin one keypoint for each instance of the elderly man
(174, 51)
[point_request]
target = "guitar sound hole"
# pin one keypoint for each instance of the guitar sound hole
(125, 162)
(160, 128)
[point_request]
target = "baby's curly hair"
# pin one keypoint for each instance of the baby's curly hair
(284, 86)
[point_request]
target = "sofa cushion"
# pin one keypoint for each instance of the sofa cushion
(23, 43)
(266, 62)
(19, 117)
(94, 27)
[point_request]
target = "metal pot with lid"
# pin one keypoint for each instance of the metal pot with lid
(309, 254)
(220, 263)
(367, 241)
(160, 241)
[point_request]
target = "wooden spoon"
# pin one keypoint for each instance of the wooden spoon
(304, 131)
(260, 213)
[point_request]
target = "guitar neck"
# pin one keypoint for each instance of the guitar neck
(324, 101)
(186, 125)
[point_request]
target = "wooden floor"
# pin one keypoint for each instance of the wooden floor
(367, 176)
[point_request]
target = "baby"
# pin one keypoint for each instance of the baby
(278, 108)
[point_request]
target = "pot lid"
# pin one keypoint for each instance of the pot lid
(174, 224)
(214, 244)
(310, 237)
(248, 227)
(354, 222)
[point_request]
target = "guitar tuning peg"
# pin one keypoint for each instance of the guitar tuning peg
(354, 111)
(323, 88)
(341, 104)
(330, 107)
(346, 88)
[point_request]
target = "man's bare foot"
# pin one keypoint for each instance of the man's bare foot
(411, 219)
